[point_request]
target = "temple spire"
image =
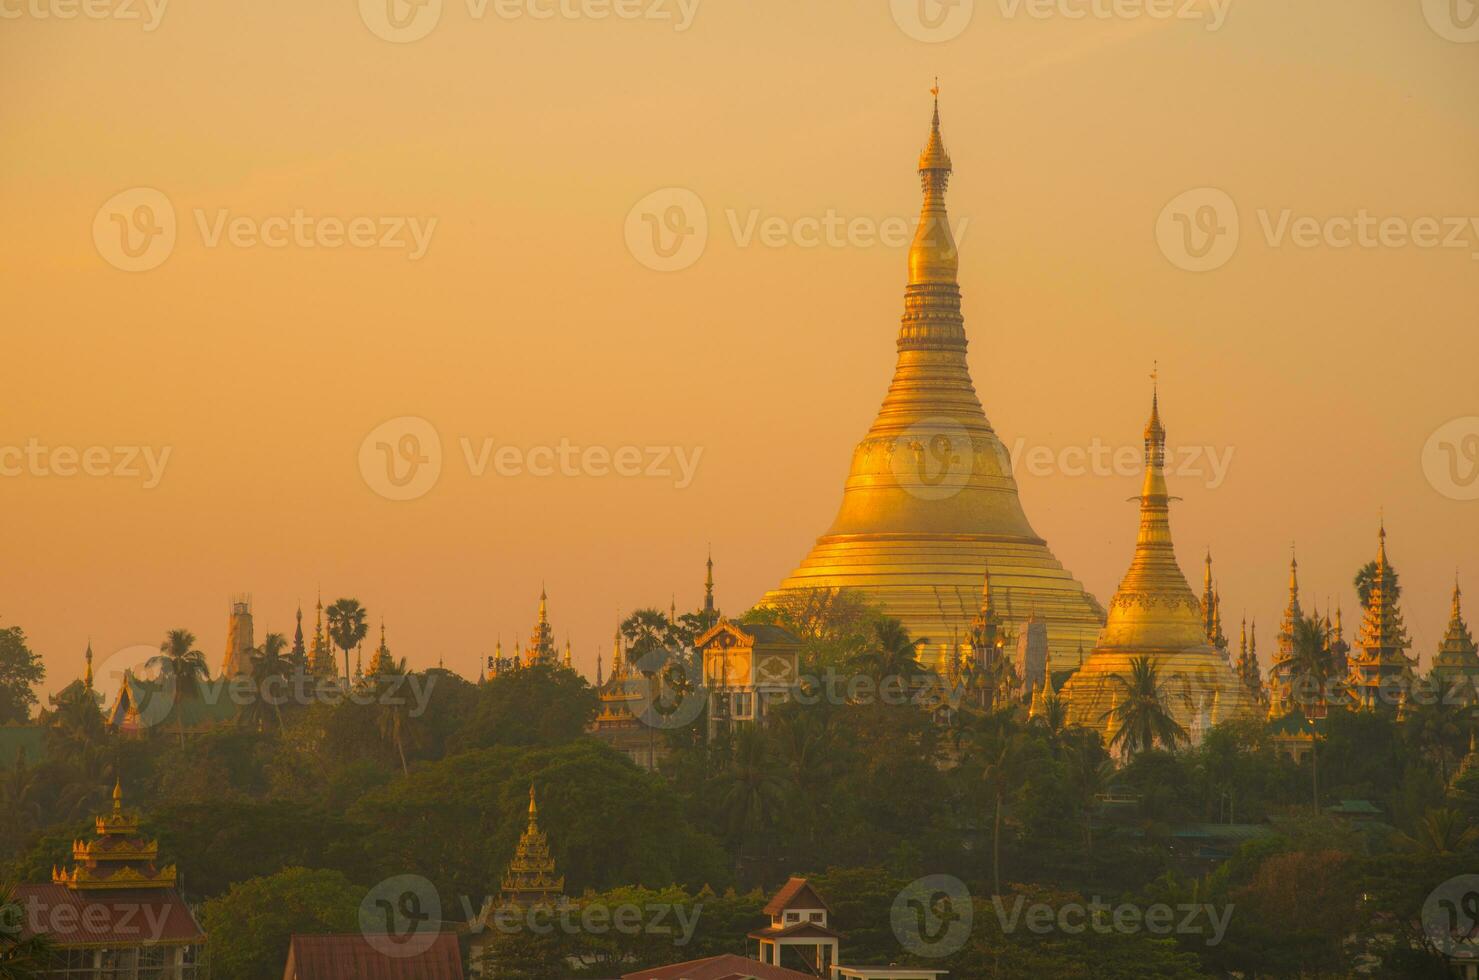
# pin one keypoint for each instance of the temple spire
(87, 677)
(933, 257)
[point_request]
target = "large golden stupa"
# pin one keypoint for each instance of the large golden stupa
(1154, 614)
(930, 505)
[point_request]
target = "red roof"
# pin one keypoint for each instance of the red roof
(726, 967)
(352, 957)
(114, 916)
(796, 894)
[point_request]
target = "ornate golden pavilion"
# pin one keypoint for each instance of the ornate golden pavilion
(930, 504)
(1155, 614)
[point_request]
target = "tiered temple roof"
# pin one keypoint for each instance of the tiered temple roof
(119, 857)
(1379, 661)
(531, 879)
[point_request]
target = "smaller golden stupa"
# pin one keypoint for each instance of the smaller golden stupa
(531, 878)
(1155, 614)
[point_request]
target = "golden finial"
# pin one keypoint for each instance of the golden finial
(118, 797)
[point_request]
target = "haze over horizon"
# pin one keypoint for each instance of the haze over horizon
(1318, 374)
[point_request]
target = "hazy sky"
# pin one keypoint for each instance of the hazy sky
(519, 147)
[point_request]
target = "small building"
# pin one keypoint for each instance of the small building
(353, 957)
(116, 913)
(624, 699)
(145, 706)
(747, 669)
(1294, 735)
(798, 922)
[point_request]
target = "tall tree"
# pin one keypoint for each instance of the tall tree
(348, 625)
(20, 671)
(270, 665)
(752, 791)
(1367, 576)
(1143, 716)
(179, 663)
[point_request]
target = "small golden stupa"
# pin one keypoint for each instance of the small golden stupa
(930, 505)
(531, 879)
(1156, 615)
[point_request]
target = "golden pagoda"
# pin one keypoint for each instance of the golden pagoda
(321, 652)
(542, 641)
(119, 858)
(930, 504)
(1154, 614)
(531, 879)
(382, 663)
(1379, 665)
(1457, 660)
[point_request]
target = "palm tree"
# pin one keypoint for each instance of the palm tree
(1142, 717)
(180, 664)
(997, 754)
(347, 627)
(1090, 771)
(752, 790)
(807, 750)
(1053, 721)
(392, 713)
(20, 959)
(1442, 832)
(1310, 668)
(269, 664)
(891, 653)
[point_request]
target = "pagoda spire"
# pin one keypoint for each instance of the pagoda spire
(711, 615)
(87, 656)
(300, 652)
(531, 878)
(1379, 662)
(1457, 660)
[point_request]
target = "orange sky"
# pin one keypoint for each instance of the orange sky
(529, 321)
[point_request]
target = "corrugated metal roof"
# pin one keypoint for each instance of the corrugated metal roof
(353, 957)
